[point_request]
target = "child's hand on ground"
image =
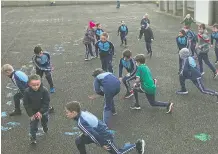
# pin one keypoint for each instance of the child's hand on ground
(92, 97)
(105, 147)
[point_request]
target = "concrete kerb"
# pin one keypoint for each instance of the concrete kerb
(62, 3)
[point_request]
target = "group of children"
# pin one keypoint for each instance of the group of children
(36, 97)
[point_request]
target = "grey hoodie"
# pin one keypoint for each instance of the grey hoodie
(89, 36)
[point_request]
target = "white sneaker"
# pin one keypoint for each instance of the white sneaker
(202, 73)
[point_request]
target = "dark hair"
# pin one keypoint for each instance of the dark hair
(183, 32)
(127, 53)
(105, 34)
(202, 26)
(73, 106)
(97, 71)
(34, 77)
(140, 58)
(215, 25)
(37, 50)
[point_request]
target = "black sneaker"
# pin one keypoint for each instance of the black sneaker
(135, 107)
(182, 92)
(129, 94)
(169, 108)
(32, 140)
(45, 129)
(51, 109)
(15, 113)
(140, 146)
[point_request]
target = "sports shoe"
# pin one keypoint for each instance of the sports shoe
(87, 59)
(181, 92)
(215, 74)
(51, 109)
(15, 113)
(202, 73)
(92, 57)
(169, 108)
(135, 107)
(52, 90)
(129, 94)
(114, 113)
(32, 140)
(140, 146)
(45, 129)
(216, 63)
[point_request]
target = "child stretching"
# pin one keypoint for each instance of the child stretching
(20, 79)
(98, 31)
(42, 63)
(188, 20)
(145, 84)
(88, 40)
(107, 85)
(203, 47)
(36, 102)
(123, 31)
(190, 71)
(95, 131)
(214, 36)
(129, 64)
(106, 52)
(182, 42)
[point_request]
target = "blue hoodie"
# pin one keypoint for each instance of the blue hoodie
(20, 79)
(104, 48)
(129, 65)
(106, 83)
(92, 127)
(182, 42)
(42, 62)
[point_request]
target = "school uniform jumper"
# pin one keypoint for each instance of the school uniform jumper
(95, 131)
(147, 86)
(123, 31)
(98, 33)
(182, 42)
(214, 36)
(37, 101)
(131, 68)
(148, 36)
(203, 49)
(43, 65)
(88, 40)
(106, 52)
(20, 79)
(190, 71)
(107, 85)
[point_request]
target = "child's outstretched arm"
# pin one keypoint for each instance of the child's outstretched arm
(118, 31)
(183, 20)
(26, 104)
(45, 102)
(127, 30)
(112, 48)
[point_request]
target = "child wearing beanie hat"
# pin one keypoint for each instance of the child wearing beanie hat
(88, 40)
(190, 71)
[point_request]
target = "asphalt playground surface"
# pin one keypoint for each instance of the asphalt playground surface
(59, 30)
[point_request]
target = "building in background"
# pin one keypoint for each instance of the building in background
(204, 11)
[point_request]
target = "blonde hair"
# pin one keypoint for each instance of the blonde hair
(188, 16)
(7, 67)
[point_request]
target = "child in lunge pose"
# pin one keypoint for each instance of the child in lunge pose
(129, 64)
(123, 32)
(88, 40)
(95, 131)
(145, 84)
(214, 36)
(190, 71)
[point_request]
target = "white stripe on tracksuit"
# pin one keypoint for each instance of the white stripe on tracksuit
(117, 151)
(202, 89)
